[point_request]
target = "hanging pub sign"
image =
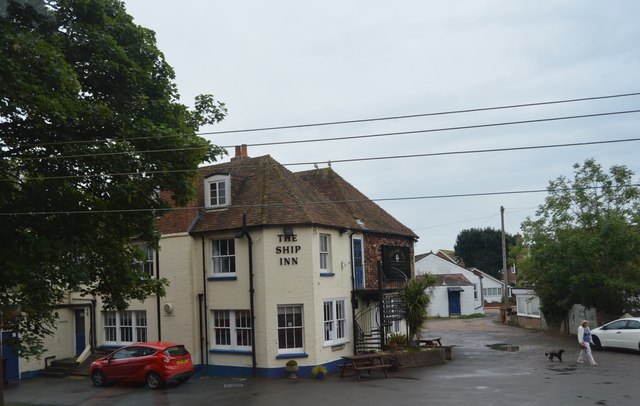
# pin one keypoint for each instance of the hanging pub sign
(396, 262)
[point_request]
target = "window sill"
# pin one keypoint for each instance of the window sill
(292, 355)
(236, 352)
(325, 274)
(222, 278)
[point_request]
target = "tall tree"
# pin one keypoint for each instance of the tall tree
(584, 244)
(482, 248)
(90, 131)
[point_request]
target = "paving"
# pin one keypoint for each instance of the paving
(493, 364)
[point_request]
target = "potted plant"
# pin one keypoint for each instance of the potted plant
(292, 368)
(319, 371)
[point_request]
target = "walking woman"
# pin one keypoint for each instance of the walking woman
(584, 339)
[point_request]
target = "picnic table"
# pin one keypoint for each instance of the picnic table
(364, 363)
(436, 342)
(431, 342)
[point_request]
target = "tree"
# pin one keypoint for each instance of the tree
(482, 248)
(416, 300)
(584, 245)
(90, 131)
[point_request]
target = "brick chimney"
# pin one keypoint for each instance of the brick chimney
(241, 152)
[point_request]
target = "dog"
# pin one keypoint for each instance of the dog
(556, 354)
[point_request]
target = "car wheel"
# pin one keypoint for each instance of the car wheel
(98, 378)
(596, 343)
(153, 380)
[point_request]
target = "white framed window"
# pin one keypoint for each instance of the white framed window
(290, 329)
(223, 257)
(528, 306)
(395, 326)
(146, 263)
(335, 321)
(475, 291)
(325, 253)
(217, 191)
(232, 329)
(125, 327)
(492, 291)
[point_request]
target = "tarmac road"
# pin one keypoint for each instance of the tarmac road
(493, 364)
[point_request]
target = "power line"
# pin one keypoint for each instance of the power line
(467, 127)
(430, 154)
(449, 112)
(447, 196)
(266, 205)
(441, 113)
(476, 151)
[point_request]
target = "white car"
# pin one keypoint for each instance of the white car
(621, 333)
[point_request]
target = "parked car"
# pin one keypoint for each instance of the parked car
(621, 333)
(155, 364)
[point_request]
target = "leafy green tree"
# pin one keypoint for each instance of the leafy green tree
(90, 131)
(482, 248)
(416, 299)
(584, 244)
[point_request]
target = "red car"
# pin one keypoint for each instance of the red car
(155, 364)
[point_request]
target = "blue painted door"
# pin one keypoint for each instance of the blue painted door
(80, 332)
(358, 264)
(10, 360)
(454, 303)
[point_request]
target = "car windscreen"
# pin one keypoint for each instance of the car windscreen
(176, 351)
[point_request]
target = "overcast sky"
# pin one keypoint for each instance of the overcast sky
(278, 63)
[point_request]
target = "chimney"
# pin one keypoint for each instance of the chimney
(241, 152)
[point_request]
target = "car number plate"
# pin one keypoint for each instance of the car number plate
(181, 361)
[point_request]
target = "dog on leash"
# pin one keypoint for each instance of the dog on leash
(554, 354)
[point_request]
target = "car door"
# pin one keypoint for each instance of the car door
(120, 364)
(611, 334)
(630, 336)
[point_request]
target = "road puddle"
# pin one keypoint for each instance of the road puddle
(504, 347)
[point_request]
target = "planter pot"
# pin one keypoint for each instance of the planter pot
(292, 372)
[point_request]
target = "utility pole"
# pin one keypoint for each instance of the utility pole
(505, 296)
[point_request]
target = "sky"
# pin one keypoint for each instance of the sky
(285, 63)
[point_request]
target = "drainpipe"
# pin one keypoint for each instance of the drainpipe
(159, 316)
(204, 290)
(240, 234)
(200, 295)
(354, 299)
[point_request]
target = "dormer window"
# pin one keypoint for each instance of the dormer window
(217, 190)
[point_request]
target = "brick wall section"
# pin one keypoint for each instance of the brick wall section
(373, 256)
(422, 358)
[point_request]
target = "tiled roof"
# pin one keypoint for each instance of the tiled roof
(269, 194)
(453, 279)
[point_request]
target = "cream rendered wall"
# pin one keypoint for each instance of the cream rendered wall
(178, 308)
(287, 285)
(61, 344)
(277, 283)
(338, 286)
